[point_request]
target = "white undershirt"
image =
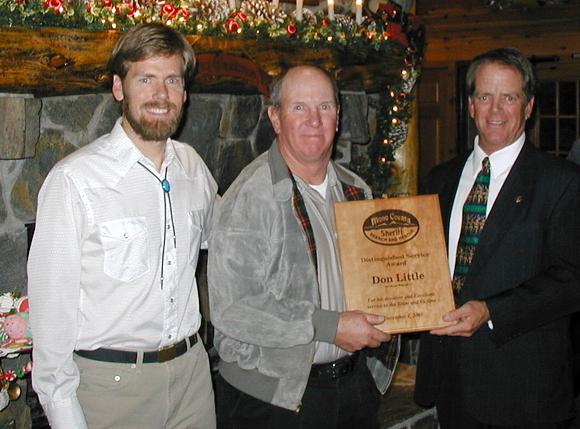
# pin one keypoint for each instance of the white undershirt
(321, 189)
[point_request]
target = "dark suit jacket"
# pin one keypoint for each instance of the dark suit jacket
(527, 269)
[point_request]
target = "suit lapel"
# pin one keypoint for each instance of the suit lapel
(513, 200)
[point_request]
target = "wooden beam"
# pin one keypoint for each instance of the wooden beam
(61, 61)
(19, 126)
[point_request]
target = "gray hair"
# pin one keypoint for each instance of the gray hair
(510, 57)
(276, 86)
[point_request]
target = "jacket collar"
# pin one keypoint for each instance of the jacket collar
(280, 174)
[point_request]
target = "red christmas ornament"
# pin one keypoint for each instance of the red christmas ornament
(291, 29)
(325, 22)
(232, 25)
(53, 4)
(107, 3)
(167, 9)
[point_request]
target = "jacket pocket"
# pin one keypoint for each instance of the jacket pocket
(125, 247)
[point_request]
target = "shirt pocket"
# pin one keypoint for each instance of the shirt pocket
(125, 247)
(195, 224)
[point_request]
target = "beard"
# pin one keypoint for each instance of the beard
(157, 129)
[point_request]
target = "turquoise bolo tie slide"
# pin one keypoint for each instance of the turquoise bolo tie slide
(165, 185)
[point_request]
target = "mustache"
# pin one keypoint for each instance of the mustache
(160, 105)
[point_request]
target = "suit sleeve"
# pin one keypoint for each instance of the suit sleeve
(554, 292)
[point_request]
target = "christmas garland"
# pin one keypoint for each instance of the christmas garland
(387, 31)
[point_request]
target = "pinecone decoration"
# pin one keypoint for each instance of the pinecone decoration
(212, 10)
(409, 83)
(263, 9)
(345, 23)
(398, 134)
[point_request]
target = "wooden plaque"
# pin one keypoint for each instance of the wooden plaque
(394, 261)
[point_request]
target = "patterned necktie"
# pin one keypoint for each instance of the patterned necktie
(472, 223)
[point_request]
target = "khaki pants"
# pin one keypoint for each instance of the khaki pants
(177, 394)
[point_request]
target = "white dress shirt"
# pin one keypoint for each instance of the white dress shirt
(501, 163)
(94, 270)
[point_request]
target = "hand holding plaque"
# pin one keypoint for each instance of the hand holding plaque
(394, 261)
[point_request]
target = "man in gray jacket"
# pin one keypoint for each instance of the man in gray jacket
(291, 355)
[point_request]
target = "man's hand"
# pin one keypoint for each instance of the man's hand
(470, 316)
(356, 331)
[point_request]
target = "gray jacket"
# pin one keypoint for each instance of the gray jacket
(263, 289)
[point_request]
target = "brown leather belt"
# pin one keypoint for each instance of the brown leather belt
(335, 369)
(164, 354)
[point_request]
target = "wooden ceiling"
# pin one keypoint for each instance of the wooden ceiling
(458, 30)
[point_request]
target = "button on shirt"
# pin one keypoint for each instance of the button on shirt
(95, 262)
(501, 163)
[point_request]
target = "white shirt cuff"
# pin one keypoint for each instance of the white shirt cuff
(66, 414)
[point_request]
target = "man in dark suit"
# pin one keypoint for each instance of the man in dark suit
(507, 362)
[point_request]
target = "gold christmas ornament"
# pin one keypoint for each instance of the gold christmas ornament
(14, 391)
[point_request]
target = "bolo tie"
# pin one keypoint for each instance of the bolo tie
(166, 188)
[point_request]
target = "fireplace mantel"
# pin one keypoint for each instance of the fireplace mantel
(62, 61)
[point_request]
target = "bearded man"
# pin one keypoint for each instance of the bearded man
(113, 297)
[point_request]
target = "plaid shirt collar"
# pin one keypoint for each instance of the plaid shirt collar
(285, 188)
(351, 193)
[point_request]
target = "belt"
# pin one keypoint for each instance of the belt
(164, 354)
(335, 369)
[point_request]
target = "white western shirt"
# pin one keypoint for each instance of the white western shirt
(94, 269)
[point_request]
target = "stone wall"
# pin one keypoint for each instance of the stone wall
(227, 131)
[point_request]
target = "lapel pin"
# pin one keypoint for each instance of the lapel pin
(519, 199)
